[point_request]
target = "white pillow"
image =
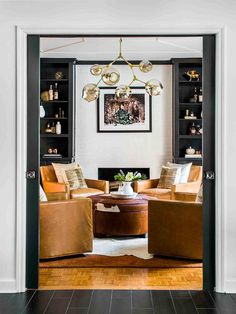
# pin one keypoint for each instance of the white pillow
(42, 195)
(185, 170)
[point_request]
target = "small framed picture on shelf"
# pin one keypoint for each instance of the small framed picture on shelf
(131, 115)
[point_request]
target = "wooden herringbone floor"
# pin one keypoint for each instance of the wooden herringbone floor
(121, 278)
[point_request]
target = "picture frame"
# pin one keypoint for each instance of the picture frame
(130, 116)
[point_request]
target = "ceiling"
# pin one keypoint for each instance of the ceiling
(133, 48)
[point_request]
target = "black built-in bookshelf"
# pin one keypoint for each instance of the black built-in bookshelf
(183, 91)
(64, 142)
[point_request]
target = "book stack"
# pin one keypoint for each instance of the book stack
(193, 156)
(52, 156)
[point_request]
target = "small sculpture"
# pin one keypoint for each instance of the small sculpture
(192, 75)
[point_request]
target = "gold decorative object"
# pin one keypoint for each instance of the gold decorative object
(111, 76)
(44, 96)
(192, 75)
(59, 75)
(90, 92)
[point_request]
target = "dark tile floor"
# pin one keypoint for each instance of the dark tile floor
(117, 302)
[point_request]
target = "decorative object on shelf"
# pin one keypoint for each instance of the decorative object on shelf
(192, 75)
(198, 128)
(59, 75)
(63, 114)
(200, 97)
(48, 128)
(127, 179)
(52, 150)
(58, 128)
(192, 129)
(53, 128)
(42, 111)
(56, 115)
(190, 151)
(50, 93)
(59, 114)
(126, 115)
(55, 93)
(194, 98)
(111, 76)
(44, 96)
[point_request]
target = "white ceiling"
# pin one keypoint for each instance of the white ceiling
(133, 48)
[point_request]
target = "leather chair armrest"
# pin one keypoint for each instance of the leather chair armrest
(192, 187)
(98, 184)
(57, 196)
(141, 185)
(56, 187)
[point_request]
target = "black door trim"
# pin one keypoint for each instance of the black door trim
(32, 232)
(32, 185)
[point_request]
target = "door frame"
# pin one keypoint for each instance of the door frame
(220, 133)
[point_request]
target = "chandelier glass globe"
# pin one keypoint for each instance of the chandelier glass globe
(96, 69)
(90, 92)
(154, 87)
(122, 92)
(145, 66)
(110, 76)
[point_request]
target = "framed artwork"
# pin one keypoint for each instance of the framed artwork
(132, 115)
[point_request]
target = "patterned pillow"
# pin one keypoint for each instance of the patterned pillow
(199, 197)
(75, 179)
(169, 176)
(60, 168)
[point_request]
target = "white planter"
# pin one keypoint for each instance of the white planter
(127, 188)
(42, 112)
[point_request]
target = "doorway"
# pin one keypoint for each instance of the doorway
(208, 161)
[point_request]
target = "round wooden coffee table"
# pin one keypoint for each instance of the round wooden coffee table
(131, 220)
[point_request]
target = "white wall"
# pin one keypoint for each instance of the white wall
(146, 17)
(151, 150)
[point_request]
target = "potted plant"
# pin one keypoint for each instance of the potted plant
(127, 179)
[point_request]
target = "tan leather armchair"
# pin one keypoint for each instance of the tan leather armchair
(66, 228)
(175, 229)
(149, 187)
(50, 184)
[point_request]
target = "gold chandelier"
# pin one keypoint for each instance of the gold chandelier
(111, 76)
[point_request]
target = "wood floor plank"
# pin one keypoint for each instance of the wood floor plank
(81, 299)
(39, 302)
(121, 278)
(141, 299)
(77, 311)
(208, 311)
(100, 302)
(202, 299)
(15, 303)
(142, 311)
(162, 302)
(183, 303)
(58, 306)
(62, 294)
(121, 302)
(233, 296)
(224, 302)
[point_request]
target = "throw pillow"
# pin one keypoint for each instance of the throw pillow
(199, 197)
(185, 170)
(169, 176)
(60, 168)
(42, 195)
(75, 178)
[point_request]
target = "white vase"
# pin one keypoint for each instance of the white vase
(127, 188)
(42, 112)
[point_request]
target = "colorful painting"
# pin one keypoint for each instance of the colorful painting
(132, 115)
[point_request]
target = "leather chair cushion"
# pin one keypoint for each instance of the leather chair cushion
(158, 193)
(85, 192)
